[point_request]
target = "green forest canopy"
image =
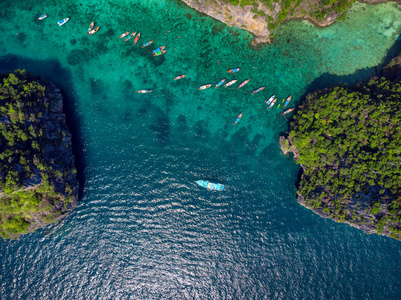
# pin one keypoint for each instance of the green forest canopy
(349, 143)
(22, 139)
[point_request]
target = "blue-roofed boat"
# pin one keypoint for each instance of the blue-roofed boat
(237, 119)
(44, 16)
(220, 83)
(258, 90)
(159, 49)
(147, 44)
(63, 21)
(210, 185)
(234, 70)
(287, 101)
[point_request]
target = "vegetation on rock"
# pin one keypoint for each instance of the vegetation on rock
(317, 10)
(37, 173)
(348, 141)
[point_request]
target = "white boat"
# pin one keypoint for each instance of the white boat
(204, 87)
(230, 82)
(63, 21)
(44, 16)
(270, 99)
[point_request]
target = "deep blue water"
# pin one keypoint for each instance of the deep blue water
(143, 229)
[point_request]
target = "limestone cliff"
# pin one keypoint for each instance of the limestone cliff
(38, 183)
(348, 143)
(261, 17)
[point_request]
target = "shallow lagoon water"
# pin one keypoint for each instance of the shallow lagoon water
(143, 229)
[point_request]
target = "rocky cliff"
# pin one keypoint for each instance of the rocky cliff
(38, 183)
(348, 143)
(261, 17)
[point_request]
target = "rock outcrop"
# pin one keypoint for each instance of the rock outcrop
(38, 184)
(261, 19)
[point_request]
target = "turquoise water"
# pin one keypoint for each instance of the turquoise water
(143, 229)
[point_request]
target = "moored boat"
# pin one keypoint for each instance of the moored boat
(124, 34)
(93, 30)
(237, 119)
(137, 38)
(258, 90)
(210, 185)
(230, 82)
(219, 83)
(161, 52)
(287, 101)
(63, 21)
(270, 99)
(234, 70)
(159, 49)
(144, 91)
(288, 111)
(147, 44)
(91, 26)
(44, 16)
(130, 36)
(272, 103)
(204, 87)
(242, 84)
(180, 77)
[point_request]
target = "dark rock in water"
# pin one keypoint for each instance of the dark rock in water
(39, 182)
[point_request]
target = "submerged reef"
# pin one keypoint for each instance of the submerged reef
(348, 142)
(38, 183)
(261, 17)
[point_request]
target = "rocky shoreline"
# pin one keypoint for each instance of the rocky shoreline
(44, 188)
(287, 147)
(59, 154)
(371, 206)
(260, 20)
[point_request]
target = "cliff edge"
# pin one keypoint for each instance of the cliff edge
(261, 17)
(38, 183)
(348, 143)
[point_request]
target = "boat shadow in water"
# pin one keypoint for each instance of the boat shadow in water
(51, 70)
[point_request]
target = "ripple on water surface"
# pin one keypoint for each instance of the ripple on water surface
(144, 229)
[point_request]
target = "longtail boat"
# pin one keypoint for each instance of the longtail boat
(272, 103)
(242, 84)
(144, 91)
(180, 77)
(91, 26)
(230, 82)
(161, 52)
(124, 34)
(288, 111)
(204, 87)
(270, 99)
(137, 38)
(219, 83)
(234, 70)
(287, 101)
(159, 49)
(258, 90)
(147, 44)
(130, 36)
(237, 119)
(210, 185)
(93, 31)
(44, 16)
